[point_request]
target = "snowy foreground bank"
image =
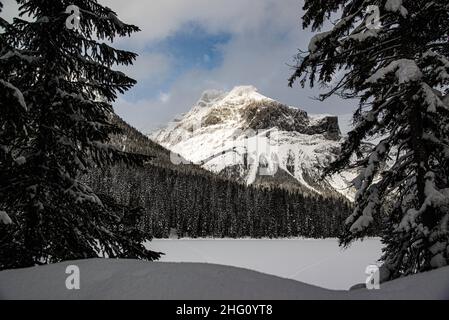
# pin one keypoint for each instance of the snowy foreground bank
(132, 279)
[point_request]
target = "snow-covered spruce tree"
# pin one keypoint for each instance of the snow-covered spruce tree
(13, 121)
(400, 73)
(68, 94)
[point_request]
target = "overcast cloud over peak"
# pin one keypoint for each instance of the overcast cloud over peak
(188, 46)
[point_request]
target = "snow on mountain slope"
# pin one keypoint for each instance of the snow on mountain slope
(255, 139)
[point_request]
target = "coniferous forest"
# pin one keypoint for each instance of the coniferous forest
(198, 203)
(207, 206)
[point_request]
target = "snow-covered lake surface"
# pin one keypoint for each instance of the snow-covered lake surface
(317, 262)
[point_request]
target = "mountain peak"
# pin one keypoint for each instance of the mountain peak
(209, 97)
(243, 90)
(214, 134)
(245, 108)
(238, 96)
(246, 93)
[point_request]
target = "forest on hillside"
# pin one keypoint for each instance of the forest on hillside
(198, 203)
(206, 206)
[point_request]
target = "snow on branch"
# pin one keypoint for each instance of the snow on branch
(14, 53)
(366, 218)
(442, 67)
(431, 99)
(16, 93)
(367, 193)
(316, 39)
(405, 70)
(396, 6)
(434, 199)
(4, 218)
(365, 35)
(113, 17)
(320, 37)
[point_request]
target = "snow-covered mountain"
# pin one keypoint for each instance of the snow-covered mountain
(255, 139)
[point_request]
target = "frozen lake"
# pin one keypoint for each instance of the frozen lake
(318, 262)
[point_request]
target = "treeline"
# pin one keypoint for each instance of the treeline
(198, 205)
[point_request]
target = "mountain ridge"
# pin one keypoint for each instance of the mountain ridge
(199, 203)
(241, 132)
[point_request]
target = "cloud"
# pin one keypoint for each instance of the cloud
(160, 18)
(148, 66)
(264, 36)
(164, 97)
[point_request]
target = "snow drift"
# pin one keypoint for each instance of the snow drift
(132, 279)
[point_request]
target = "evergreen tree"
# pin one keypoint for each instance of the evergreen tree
(14, 64)
(69, 85)
(399, 71)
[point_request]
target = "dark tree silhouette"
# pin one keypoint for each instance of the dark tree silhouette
(67, 83)
(400, 72)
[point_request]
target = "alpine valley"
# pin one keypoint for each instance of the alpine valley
(205, 193)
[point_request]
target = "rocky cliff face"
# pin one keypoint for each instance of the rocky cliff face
(252, 138)
(269, 114)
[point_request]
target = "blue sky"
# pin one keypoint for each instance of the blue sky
(193, 47)
(189, 46)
